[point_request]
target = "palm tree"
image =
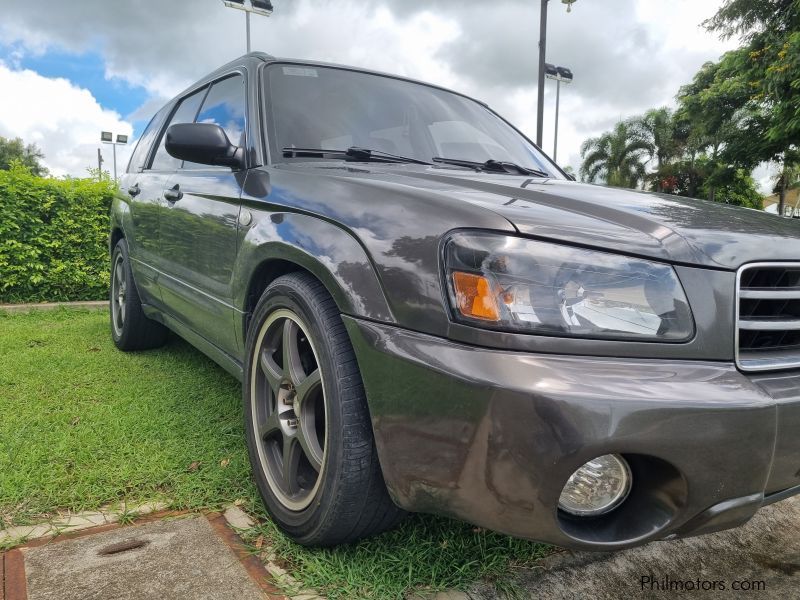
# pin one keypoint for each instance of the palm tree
(658, 125)
(617, 157)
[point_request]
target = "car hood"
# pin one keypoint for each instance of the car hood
(665, 227)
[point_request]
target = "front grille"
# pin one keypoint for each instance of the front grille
(768, 300)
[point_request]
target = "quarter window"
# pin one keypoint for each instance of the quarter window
(139, 157)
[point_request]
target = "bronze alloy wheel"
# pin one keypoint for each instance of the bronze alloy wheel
(289, 409)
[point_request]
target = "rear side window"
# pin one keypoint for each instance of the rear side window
(184, 114)
(225, 106)
(139, 157)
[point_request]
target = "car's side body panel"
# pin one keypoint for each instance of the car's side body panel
(198, 244)
(398, 242)
(272, 230)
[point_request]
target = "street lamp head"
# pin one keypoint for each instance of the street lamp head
(122, 139)
(569, 4)
(262, 7)
(565, 74)
(550, 71)
(105, 136)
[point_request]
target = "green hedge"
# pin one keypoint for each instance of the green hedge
(53, 237)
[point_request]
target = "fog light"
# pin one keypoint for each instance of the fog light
(597, 487)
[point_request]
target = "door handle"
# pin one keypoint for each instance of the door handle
(134, 190)
(174, 193)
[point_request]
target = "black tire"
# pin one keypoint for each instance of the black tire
(130, 328)
(345, 498)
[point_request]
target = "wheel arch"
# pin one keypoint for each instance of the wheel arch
(116, 235)
(119, 216)
(287, 242)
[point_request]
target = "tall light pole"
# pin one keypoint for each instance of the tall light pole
(108, 138)
(259, 7)
(559, 74)
(542, 52)
(99, 165)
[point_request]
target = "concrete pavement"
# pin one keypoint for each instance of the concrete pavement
(760, 559)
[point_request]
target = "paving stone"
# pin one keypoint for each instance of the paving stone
(26, 532)
(237, 518)
(179, 559)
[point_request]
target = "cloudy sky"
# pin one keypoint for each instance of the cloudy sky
(71, 69)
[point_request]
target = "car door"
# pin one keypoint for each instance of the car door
(144, 191)
(145, 186)
(199, 227)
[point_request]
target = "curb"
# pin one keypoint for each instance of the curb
(24, 308)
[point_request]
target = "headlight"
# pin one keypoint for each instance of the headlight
(515, 284)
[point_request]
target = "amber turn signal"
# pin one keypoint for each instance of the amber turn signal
(474, 296)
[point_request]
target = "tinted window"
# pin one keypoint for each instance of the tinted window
(321, 107)
(224, 106)
(185, 114)
(139, 156)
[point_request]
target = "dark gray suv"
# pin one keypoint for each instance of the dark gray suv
(428, 315)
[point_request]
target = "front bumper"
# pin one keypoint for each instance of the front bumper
(491, 437)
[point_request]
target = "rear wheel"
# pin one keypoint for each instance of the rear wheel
(308, 428)
(130, 328)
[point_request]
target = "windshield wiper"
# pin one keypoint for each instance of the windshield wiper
(353, 153)
(493, 166)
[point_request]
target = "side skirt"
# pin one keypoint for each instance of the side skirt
(222, 358)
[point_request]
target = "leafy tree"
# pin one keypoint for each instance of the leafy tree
(768, 65)
(29, 156)
(617, 157)
(714, 106)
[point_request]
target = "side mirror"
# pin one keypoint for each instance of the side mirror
(204, 143)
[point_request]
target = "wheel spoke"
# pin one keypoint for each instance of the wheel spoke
(307, 386)
(270, 426)
(271, 371)
(292, 453)
(292, 367)
(310, 448)
(118, 274)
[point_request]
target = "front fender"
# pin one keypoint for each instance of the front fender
(329, 252)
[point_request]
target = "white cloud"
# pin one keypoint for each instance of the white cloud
(627, 55)
(63, 120)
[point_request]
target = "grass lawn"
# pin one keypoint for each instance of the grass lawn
(83, 425)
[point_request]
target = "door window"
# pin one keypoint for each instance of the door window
(184, 114)
(224, 106)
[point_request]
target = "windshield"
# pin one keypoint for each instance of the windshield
(336, 109)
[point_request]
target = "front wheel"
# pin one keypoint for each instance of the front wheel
(308, 429)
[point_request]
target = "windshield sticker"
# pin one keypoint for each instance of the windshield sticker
(300, 71)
